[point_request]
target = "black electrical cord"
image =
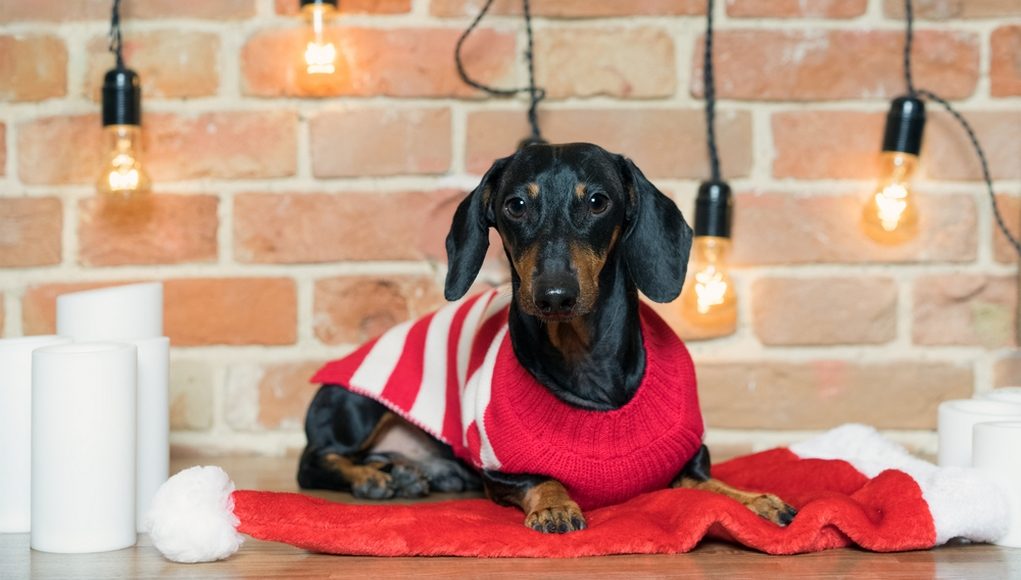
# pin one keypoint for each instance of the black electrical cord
(116, 44)
(909, 81)
(535, 94)
(709, 88)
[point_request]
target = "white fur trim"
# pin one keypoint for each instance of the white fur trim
(963, 502)
(192, 516)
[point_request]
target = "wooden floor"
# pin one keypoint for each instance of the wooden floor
(711, 560)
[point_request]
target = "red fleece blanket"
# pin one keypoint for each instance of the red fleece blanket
(838, 506)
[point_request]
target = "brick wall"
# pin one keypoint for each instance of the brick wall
(289, 227)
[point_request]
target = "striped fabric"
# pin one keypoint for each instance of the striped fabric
(453, 373)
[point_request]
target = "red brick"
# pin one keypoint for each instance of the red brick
(796, 8)
(572, 8)
(1005, 66)
(824, 394)
(290, 8)
(769, 65)
(965, 309)
(154, 229)
(1010, 209)
(954, 9)
(30, 231)
(772, 228)
(32, 67)
(1007, 370)
(235, 144)
(824, 311)
(846, 145)
(231, 311)
(374, 61)
(73, 10)
(948, 154)
(353, 309)
(618, 62)
(171, 63)
(310, 228)
(59, 150)
(55, 10)
(666, 143)
(826, 144)
(389, 141)
(229, 144)
(203, 9)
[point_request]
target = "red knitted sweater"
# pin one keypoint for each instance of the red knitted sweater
(454, 374)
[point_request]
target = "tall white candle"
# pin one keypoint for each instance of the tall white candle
(956, 420)
(83, 447)
(153, 461)
(997, 454)
(116, 313)
(16, 429)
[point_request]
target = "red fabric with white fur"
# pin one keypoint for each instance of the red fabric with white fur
(838, 506)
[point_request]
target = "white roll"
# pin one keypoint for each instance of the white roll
(117, 313)
(16, 429)
(83, 447)
(956, 420)
(153, 455)
(997, 454)
(1005, 394)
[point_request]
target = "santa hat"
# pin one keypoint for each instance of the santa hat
(850, 485)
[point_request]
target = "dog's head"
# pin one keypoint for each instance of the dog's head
(563, 212)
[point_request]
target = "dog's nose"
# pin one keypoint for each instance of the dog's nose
(557, 296)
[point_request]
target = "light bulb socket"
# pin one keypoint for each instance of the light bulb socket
(904, 125)
(304, 3)
(713, 207)
(122, 98)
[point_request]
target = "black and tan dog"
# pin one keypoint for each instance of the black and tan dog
(584, 231)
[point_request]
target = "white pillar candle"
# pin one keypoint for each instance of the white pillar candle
(1005, 394)
(997, 454)
(16, 429)
(956, 420)
(83, 447)
(153, 455)
(116, 313)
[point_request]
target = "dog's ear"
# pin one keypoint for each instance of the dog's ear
(468, 239)
(657, 240)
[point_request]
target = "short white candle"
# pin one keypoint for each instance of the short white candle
(83, 447)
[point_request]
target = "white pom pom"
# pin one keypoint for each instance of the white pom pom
(192, 516)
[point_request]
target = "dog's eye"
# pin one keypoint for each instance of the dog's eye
(598, 203)
(514, 207)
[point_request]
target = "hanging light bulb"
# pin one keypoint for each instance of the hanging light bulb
(320, 53)
(890, 215)
(122, 173)
(708, 300)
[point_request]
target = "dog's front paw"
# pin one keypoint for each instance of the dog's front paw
(772, 508)
(409, 481)
(371, 483)
(557, 519)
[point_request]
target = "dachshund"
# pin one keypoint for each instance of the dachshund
(584, 231)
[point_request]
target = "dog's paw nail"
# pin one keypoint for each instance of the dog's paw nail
(787, 515)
